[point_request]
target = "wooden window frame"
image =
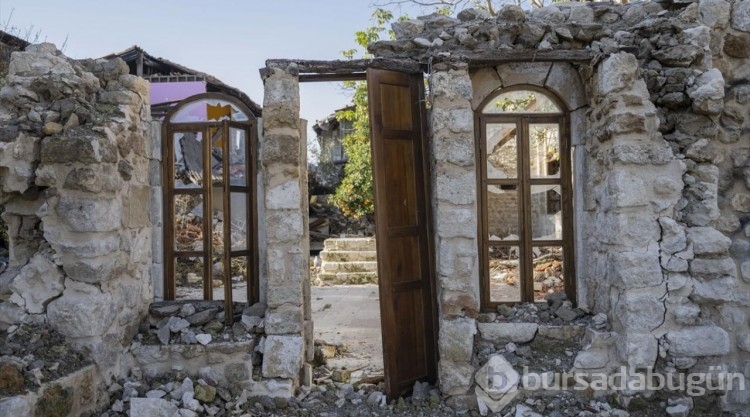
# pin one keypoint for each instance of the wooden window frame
(524, 183)
(170, 128)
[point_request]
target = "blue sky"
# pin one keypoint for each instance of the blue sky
(228, 39)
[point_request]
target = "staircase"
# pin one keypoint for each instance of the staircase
(348, 261)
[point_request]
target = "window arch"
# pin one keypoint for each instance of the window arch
(525, 195)
(209, 182)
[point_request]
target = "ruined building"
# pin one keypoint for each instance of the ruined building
(596, 150)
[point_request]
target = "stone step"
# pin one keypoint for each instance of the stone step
(350, 244)
(348, 278)
(331, 267)
(348, 256)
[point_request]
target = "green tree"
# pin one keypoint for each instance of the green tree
(354, 196)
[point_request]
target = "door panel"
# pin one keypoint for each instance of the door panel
(405, 271)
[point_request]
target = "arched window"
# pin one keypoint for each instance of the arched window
(209, 143)
(525, 197)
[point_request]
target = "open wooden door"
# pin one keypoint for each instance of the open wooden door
(405, 270)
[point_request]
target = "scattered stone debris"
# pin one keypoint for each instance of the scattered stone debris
(199, 322)
(33, 354)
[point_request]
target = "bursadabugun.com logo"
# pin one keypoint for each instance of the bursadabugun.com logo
(498, 383)
(694, 384)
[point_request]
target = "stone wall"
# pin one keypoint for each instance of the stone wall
(660, 144)
(74, 180)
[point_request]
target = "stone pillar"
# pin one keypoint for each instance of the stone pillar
(634, 185)
(156, 211)
(286, 266)
(456, 241)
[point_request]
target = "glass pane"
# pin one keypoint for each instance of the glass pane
(217, 155)
(188, 160)
(209, 110)
(189, 278)
(188, 222)
(217, 242)
(237, 156)
(239, 277)
(502, 212)
(548, 270)
(524, 101)
(544, 150)
(505, 277)
(546, 212)
(502, 150)
(239, 221)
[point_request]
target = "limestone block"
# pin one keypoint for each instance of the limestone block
(737, 46)
(686, 314)
(408, 28)
(91, 270)
(708, 241)
(616, 73)
(508, 332)
(454, 85)
(83, 214)
(630, 229)
(456, 221)
(566, 82)
(483, 82)
(284, 226)
(625, 189)
(86, 149)
(741, 16)
(454, 149)
(721, 290)
(17, 406)
(92, 179)
(635, 269)
(138, 207)
(286, 319)
(456, 339)
(708, 93)
(673, 237)
(714, 13)
(283, 356)
(745, 271)
(152, 407)
(454, 184)
(592, 359)
(82, 311)
(455, 377)
(713, 268)
(454, 304)
(640, 311)
(37, 283)
(698, 341)
(284, 196)
(454, 120)
(639, 350)
(743, 342)
(533, 73)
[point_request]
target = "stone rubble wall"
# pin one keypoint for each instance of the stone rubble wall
(661, 170)
(75, 155)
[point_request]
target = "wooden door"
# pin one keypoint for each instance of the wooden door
(403, 236)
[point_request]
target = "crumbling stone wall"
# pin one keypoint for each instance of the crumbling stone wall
(658, 123)
(74, 168)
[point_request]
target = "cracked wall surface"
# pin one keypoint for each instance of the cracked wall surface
(74, 164)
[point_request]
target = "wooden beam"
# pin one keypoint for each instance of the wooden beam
(490, 58)
(347, 66)
(354, 76)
